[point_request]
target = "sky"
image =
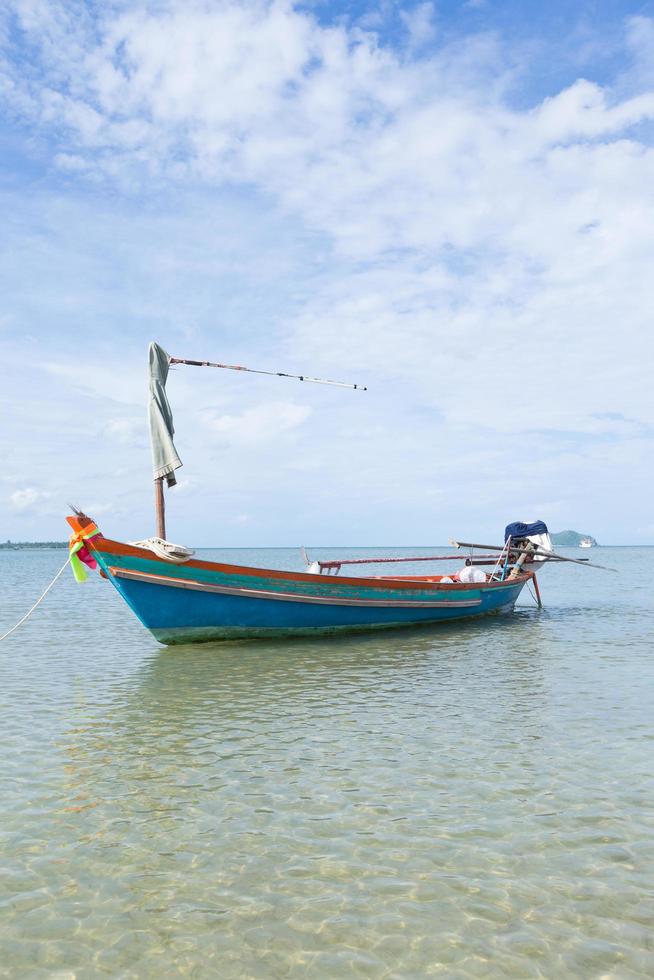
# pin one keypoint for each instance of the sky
(451, 203)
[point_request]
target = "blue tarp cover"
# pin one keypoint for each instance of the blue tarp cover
(520, 530)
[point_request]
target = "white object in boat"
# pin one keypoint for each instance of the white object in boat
(471, 574)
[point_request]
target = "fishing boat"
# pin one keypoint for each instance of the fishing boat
(183, 599)
(201, 600)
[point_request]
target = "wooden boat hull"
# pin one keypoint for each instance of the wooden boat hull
(175, 614)
(204, 601)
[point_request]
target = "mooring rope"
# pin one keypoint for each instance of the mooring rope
(38, 601)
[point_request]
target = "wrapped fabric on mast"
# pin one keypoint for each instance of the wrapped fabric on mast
(164, 455)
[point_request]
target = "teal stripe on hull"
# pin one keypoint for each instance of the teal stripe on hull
(309, 585)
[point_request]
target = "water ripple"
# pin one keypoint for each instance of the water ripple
(460, 802)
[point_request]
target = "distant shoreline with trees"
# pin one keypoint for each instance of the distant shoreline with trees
(30, 545)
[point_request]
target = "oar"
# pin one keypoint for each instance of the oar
(274, 374)
(538, 551)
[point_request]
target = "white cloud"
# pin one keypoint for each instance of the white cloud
(380, 152)
(27, 498)
(126, 430)
(259, 425)
(96, 509)
(483, 258)
(640, 39)
(185, 484)
(126, 385)
(419, 22)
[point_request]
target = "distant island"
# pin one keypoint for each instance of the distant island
(27, 545)
(571, 539)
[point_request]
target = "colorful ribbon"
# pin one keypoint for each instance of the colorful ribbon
(80, 554)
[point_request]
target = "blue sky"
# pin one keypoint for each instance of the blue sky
(451, 203)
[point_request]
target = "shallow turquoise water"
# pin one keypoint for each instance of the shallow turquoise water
(458, 801)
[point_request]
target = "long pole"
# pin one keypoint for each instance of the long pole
(274, 374)
(160, 508)
(477, 559)
(549, 555)
(538, 598)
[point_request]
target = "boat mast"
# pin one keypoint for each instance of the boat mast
(160, 507)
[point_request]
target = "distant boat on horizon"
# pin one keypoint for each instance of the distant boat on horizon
(586, 543)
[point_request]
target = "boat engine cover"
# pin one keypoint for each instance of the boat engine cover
(534, 531)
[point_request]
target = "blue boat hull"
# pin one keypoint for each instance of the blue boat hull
(182, 615)
(177, 616)
(197, 601)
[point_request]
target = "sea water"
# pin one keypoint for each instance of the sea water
(470, 800)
